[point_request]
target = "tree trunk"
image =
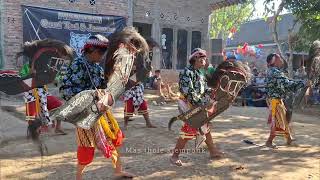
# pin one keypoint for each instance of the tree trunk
(290, 46)
(276, 36)
(290, 68)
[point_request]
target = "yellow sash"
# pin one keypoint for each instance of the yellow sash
(111, 132)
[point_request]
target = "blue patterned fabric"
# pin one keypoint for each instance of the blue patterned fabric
(193, 86)
(279, 85)
(77, 78)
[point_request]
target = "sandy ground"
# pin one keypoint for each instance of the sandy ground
(146, 152)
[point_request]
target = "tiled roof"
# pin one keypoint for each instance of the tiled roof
(258, 31)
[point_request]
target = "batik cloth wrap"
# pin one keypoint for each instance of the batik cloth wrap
(39, 103)
(36, 104)
(277, 117)
(134, 102)
(106, 136)
(194, 90)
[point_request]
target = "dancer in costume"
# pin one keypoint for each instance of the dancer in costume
(134, 103)
(278, 87)
(85, 74)
(194, 90)
(45, 59)
(39, 103)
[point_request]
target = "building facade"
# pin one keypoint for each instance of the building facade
(177, 26)
(12, 25)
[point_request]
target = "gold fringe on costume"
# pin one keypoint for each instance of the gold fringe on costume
(31, 116)
(106, 127)
(112, 133)
(36, 95)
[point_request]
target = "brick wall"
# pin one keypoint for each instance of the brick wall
(180, 13)
(191, 15)
(12, 18)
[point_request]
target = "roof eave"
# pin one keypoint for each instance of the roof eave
(226, 3)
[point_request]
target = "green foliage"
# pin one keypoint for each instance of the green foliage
(307, 13)
(307, 34)
(223, 20)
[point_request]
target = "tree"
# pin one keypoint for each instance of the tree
(224, 19)
(307, 13)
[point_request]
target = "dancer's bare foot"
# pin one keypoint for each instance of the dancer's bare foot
(216, 154)
(289, 141)
(271, 145)
(176, 161)
(124, 175)
(60, 132)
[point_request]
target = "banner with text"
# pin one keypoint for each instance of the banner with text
(72, 28)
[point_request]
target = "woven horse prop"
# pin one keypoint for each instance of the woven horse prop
(81, 110)
(226, 82)
(45, 59)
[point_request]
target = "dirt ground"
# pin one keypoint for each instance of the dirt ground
(146, 152)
